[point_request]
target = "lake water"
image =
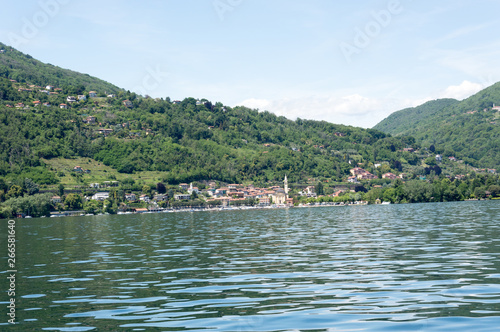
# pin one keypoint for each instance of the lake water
(420, 267)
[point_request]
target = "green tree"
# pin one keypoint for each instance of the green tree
(15, 191)
(170, 194)
(494, 190)
(60, 189)
(30, 187)
(160, 187)
(146, 190)
(431, 161)
(319, 188)
(73, 201)
(390, 195)
(480, 192)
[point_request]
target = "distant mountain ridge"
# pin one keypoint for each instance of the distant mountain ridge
(405, 120)
(470, 127)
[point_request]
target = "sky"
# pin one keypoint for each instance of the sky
(345, 62)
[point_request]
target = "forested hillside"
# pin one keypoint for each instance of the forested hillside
(469, 129)
(23, 68)
(406, 120)
(187, 140)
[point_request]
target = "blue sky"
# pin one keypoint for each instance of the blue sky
(344, 62)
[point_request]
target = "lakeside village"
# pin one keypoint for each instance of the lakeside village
(220, 196)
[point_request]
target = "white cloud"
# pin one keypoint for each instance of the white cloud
(462, 91)
(353, 109)
(260, 104)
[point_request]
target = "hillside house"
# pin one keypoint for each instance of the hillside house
(93, 94)
(82, 97)
(362, 174)
(184, 186)
(160, 198)
(130, 197)
(56, 199)
(47, 104)
(100, 196)
(308, 192)
(144, 198)
(105, 131)
(389, 176)
(181, 197)
(495, 108)
(439, 158)
(49, 87)
(63, 106)
(90, 120)
(71, 99)
(367, 176)
(127, 103)
(37, 103)
(352, 179)
(78, 169)
(108, 184)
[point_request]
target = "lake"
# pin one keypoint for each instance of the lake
(415, 267)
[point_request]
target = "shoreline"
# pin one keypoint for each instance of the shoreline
(218, 209)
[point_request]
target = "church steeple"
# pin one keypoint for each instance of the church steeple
(286, 185)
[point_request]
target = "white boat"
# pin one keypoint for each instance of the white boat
(386, 203)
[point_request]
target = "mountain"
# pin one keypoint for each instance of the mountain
(405, 120)
(181, 141)
(469, 128)
(23, 68)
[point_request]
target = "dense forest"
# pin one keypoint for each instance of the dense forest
(469, 129)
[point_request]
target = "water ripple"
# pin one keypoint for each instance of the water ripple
(422, 267)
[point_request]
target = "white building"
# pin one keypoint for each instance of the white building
(181, 197)
(100, 196)
(193, 189)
